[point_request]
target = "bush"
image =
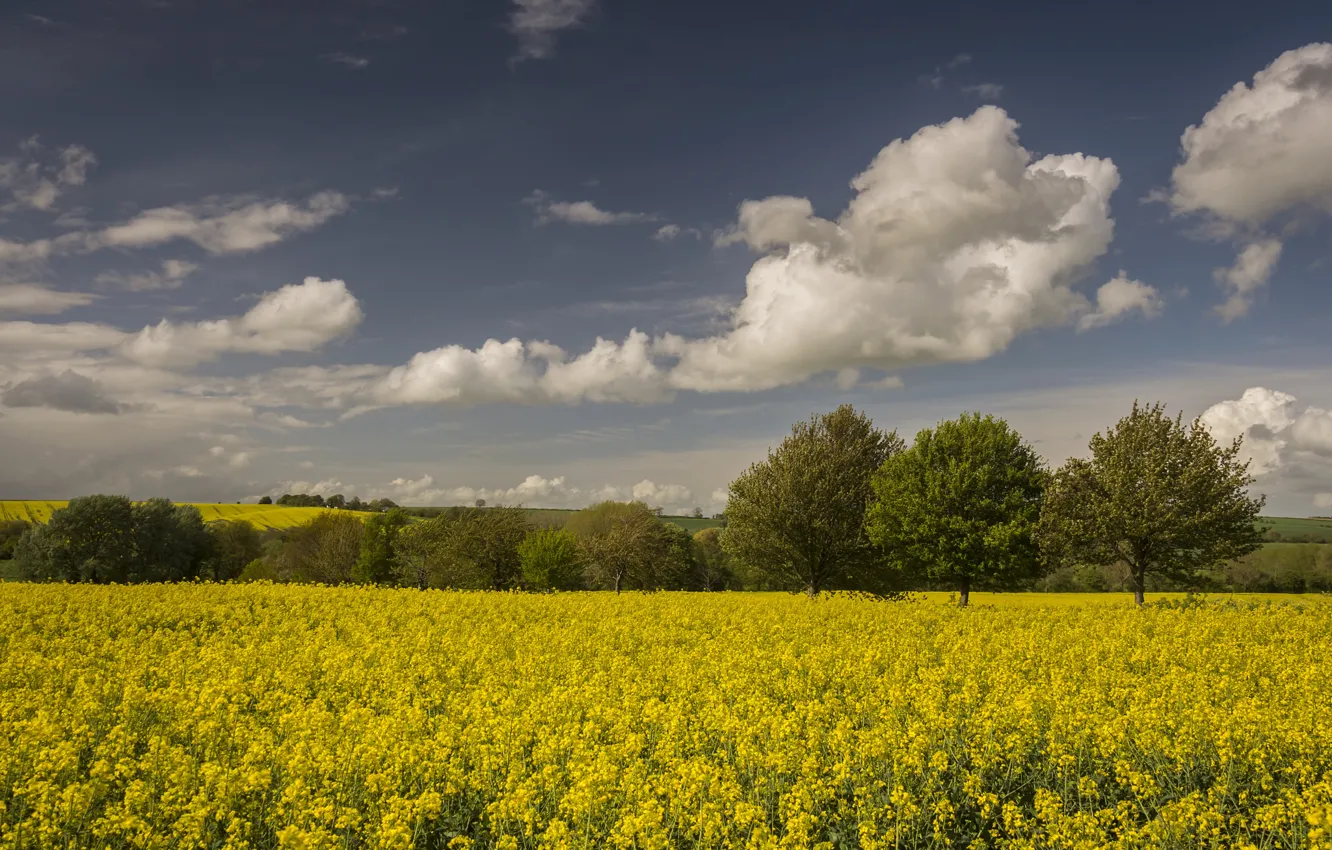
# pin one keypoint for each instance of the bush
(550, 559)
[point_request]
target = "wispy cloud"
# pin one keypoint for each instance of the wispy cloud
(536, 23)
(985, 91)
(578, 212)
(356, 63)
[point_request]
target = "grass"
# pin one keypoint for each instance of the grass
(1286, 526)
(260, 516)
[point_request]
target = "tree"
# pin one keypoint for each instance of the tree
(480, 503)
(323, 550)
(1163, 499)
(10, 532)
(337, 502)
(551, 560)
(713, 567)
(623, 544)
(265, 500)
(464, 548)
(961, 505)
(234, 544)
(798, 517)
(377, 563)
(697, 513)
(170, 541)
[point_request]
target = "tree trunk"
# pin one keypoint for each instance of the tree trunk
(812, 590)
(964, 593)
(1139, 587)
(619, 577)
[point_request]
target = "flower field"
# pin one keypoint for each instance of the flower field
(260, 516)
(262, 716)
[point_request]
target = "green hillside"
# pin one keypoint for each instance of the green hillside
(1300, 529)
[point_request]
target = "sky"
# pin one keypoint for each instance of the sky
(554, 251)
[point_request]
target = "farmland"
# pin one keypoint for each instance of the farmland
(260, 516)
(264, 716)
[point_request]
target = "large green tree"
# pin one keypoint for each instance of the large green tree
(234, 544)
(464, 548)
(323, 550)
(961, 505)
(1159, 497)
(797, 519)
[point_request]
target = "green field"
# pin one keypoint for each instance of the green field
(260, 516)
(1289, 527)
(558, 516)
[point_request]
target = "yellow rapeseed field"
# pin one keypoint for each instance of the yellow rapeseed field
(256, 716)
(260, 516)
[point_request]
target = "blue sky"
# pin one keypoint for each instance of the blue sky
(250, 248)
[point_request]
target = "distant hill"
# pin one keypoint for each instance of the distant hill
(1300, 529)
(558, 516)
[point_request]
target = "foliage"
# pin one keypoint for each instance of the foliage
(464, 548)
(550, 559)
(10, 532)
(233, 545)
(265, 500)
(961, 505)
(1161, 498)
(264, 717)
(324, 550)
(798, 517)
(624, 546)
(111, 539)
(713, 566)
(377, 563)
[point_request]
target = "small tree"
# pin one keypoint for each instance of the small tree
(323, 550)
(551, 560)
(961, 505)
(234, 544)
(337, 502)
(798, 517)
(623, 544)
(480, 503)
(697, 513)
(1160, 498)
(377, 563)
(265, 500)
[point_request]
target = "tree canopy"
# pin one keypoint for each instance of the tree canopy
(1161, 498)
(798, 517)
(961, 505)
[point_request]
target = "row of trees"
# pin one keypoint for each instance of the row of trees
(609, 546)
(842, 505)
(337, 502)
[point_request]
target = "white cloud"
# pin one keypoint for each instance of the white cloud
(356, 63)
(955, 243)
(537, 22)
(536, 491)
(1119, 297)
(50, 340)
(171, 276)
(222, 225)
(1253, 266)
(671, 498)
(33, 300)
(1272, 430)
(1262, 151)
(297, 317)
(985, 91)
(35, 178)
(531, 373)
(666, 232)
(578, 212)
(68, 391)
(1323, 500)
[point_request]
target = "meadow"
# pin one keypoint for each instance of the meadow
(259, 716)
(260, 516)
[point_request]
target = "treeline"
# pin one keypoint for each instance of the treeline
(838, 505)
(336, 502)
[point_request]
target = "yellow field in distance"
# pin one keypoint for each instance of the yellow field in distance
(260, 516)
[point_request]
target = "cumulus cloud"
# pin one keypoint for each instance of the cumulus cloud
(536, 491)
(1273, 431)
(1259, 153)
(1250, 272)
(955, 243)
(33, 300)
(36, 177)
(535, 372)
(298, 317)
(222, 225)
(578, 212)
(68, 391)
(1118, 298)
(536, 23)
(666, 232)
(171, 276)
